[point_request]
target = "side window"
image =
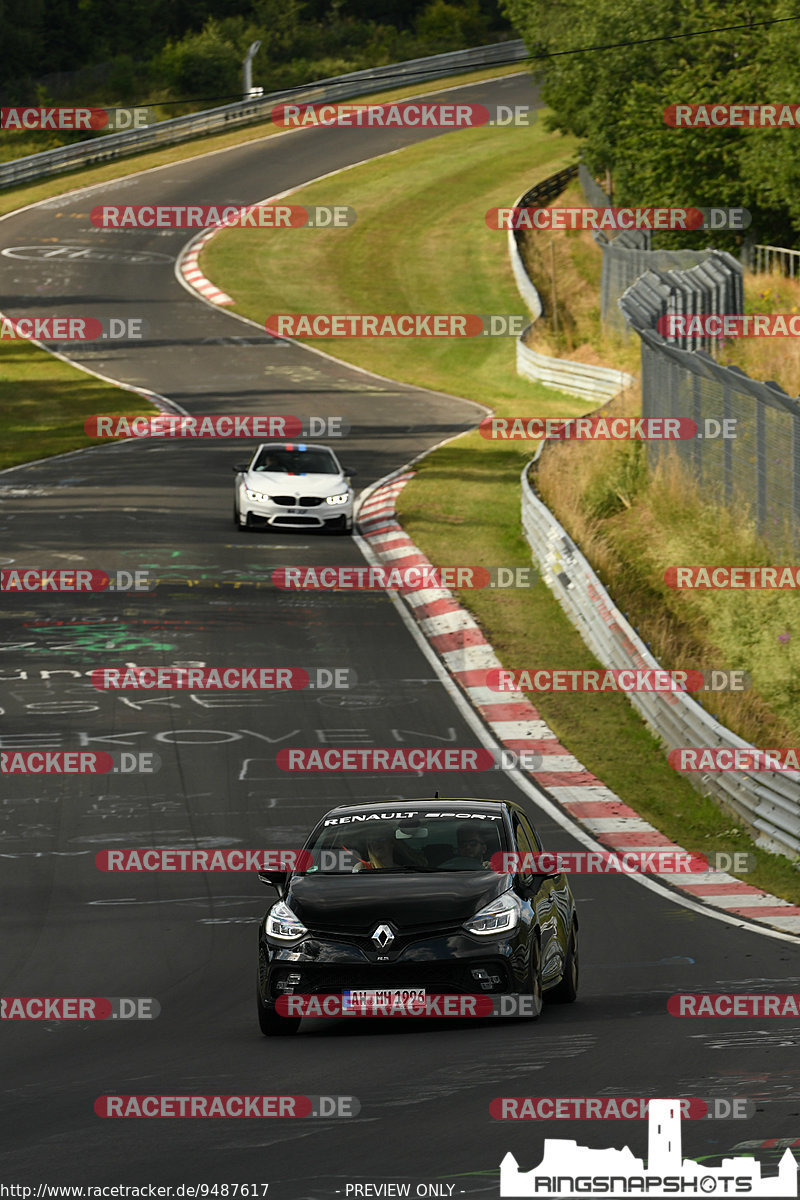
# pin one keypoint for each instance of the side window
(532, 838)
(523, 842)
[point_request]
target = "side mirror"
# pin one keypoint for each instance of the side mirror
(241, 468)
(276, 879)
(349, 471)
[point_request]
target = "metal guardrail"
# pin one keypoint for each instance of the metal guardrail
(575, 378)
(245, 112)
(765, 258)
(767, 802)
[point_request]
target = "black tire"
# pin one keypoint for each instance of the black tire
(566, 991)
(536, 989)
(271, 1023)
(235, 515)
(248, 525)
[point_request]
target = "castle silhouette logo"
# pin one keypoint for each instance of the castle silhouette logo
(568, 1169)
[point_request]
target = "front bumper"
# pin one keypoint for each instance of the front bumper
(319, 516)
(452, 964)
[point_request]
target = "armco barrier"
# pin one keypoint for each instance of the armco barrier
(246, 112)
(574, 378)
(767, 802)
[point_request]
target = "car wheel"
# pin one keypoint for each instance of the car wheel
(245, 526)
(271, 1023)
(536, 989)
(567, 990)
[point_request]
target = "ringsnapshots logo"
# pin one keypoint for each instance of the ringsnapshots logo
(230, 216)
(395, 325)
(73, 329)
(617, 220)
(79, 1008)
(604, 429)
(568, 1170)
(225, 425)
(75, 119)
(401, 116)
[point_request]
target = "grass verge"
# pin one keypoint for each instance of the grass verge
(44, 400)
(436, 255)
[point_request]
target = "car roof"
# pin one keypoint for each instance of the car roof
(281, 445)
(437, 805)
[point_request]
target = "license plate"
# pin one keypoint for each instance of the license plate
(366, 999)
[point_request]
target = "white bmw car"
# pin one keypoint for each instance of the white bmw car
(292, 484)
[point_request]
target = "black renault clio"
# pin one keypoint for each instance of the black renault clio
(403, 896)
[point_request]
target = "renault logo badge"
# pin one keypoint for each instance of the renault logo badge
(382, 936)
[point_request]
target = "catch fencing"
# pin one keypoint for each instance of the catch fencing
(246, 112)
(627, 256)
(757, 471)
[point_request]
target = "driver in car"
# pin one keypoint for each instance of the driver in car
(471, 850)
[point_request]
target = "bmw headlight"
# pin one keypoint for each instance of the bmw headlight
(501, 916)
(342, 498)
(254, 495)
(283, 925)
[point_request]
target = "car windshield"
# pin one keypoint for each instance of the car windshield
(406, 841)
(316, 460)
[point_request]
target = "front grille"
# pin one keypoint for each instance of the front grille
(311, 501)
(451, 978)
(286, 500)
(290, 520)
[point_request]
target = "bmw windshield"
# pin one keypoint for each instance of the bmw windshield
(406, 841)
(283, 461)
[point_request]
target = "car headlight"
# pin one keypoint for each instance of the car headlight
(255, 495)
(283, 925)
(500, 916)
(342, 498)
